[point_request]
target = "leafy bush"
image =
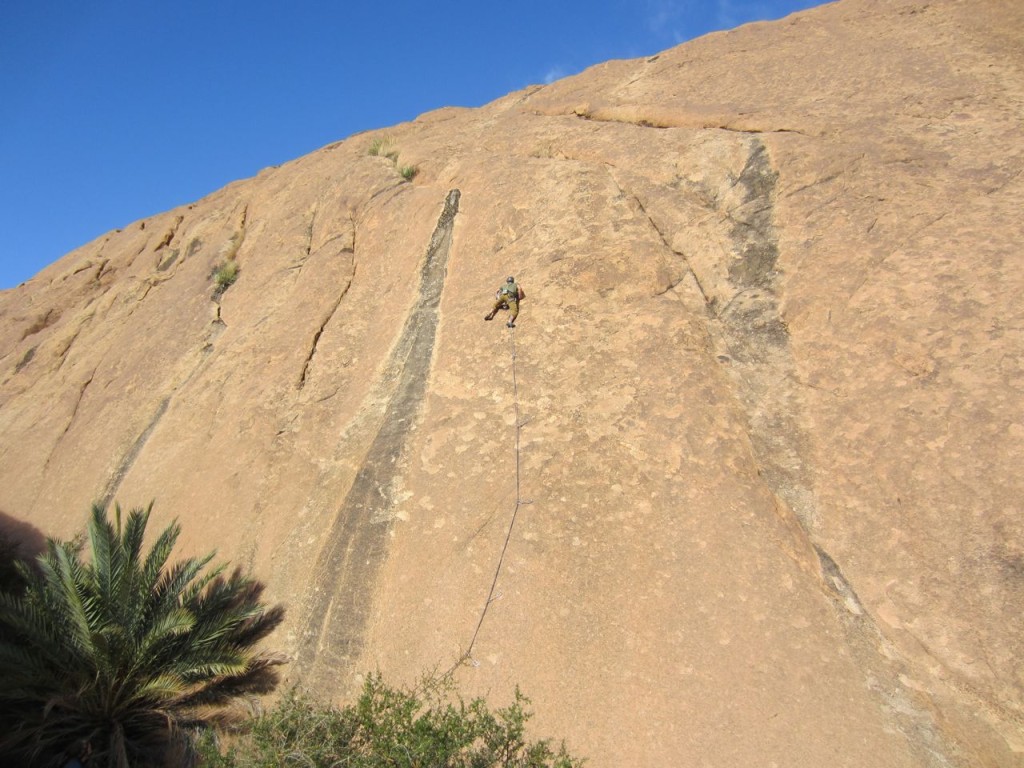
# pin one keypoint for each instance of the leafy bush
(389, 727)
(408, 172)
(225, 275)
(123, 654)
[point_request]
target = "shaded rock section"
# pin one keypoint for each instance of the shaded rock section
(355, 547)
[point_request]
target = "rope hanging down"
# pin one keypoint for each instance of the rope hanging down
(519, 502)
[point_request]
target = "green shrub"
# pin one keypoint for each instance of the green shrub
(408, 172)
(388, 727)
(225, 275)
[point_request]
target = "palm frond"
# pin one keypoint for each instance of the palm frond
(82, 614)
(179, 584)
(125, 647)
(160, 552)
(102, 541)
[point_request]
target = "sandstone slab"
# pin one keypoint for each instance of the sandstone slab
(740, 489)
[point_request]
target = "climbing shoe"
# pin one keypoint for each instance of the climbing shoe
(489, 317)
(510, 324)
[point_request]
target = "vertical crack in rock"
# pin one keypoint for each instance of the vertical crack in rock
(64, 351)
(752, 338)
(708, 301)
(67, 427)
(344, 575)
(229, 249)
(884, 672)
(128, 460)
(74, 413)
(319, 331)
(114, 483)
(310, 229)
(60, 438)
(348, 248)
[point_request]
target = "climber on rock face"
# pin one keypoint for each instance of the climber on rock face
(507, 297)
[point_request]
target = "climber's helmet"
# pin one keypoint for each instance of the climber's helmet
(510, 279)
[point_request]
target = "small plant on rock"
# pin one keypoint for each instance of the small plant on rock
(384, 146)
(225, 275)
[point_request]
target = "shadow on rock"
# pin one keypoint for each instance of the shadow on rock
(18, 541)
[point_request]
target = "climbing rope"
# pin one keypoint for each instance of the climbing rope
(467, 655)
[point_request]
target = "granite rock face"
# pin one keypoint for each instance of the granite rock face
(741, 488)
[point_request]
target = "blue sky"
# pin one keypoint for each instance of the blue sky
(114, 110)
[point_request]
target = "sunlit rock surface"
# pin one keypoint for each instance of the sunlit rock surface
(741, 488)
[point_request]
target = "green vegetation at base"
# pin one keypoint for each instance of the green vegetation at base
(429, 726)
(120, 656)
(134, 662)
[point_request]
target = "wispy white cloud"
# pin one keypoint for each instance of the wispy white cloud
(555, 73)
(662, 16)
(732, 13)
(670, 19)
(659, 14)
(679, 20)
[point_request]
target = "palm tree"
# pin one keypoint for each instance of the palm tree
(125, 655)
